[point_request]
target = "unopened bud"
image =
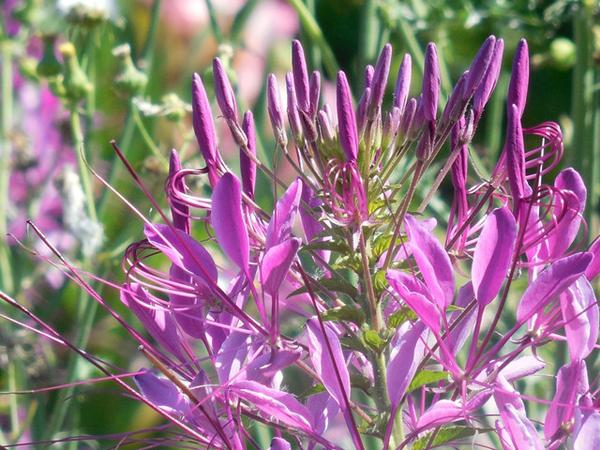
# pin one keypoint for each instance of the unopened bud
(75, 81)
(130, 80)
(48, 66)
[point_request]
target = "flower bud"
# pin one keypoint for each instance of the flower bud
(431, 83)
(224, 91)
(129, 79)
(48, 66)
(403, 83)
(346, 118)
(380, 76)
(75, 81)
(300, 73)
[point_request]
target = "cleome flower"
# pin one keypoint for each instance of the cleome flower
(340, 306)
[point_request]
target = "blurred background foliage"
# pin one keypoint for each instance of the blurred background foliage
(140, 96)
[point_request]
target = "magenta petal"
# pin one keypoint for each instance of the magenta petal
(323, 363)
(407, 351)
(158, 321)
(380, 77)
(419, 303)
(588, 436)
(580, 314)
(162, 393)
(179, 211)
(224, 91)
(515, 155)
(403, 83)
(276, 264)
(300, 73)
(522, 367)
(228, 222)
(230, 361)
(441, 413)
(433, 262)
(463, 330)
(324, 408)
(183, 251)
(521, 431)
(551, 282)
(280, 444)
(280, 225)
(493, 255)
(188, 310)
(570, 382)
(274, 403)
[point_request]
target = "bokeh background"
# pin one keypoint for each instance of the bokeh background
(139, 96)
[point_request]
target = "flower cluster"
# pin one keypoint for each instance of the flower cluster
(340, 308)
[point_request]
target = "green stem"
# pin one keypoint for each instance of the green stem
(368, 33)
(314, 32)
(147, 138)
(582, 156)
(214, 24)
(86, 312)
(6, 278)
(84, 173)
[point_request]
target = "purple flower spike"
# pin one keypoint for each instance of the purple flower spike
(380, 77)
(228, 222)
(224, 91)
(300, 76)
(204, 127)
(519, 80)
(550, 283)
(274, 109)
(247, 166)
(408, 117)
(493, 254)
(431, 83)
(479, 66)
(292, 108)
(346, 118)
(315, 93)
(487, 86)
(515, 156)
(403, 83)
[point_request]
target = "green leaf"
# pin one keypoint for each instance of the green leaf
(353, 343)
(376, 427)
(425, 377)
(348, 313)
(373, 340)
(381, 244)
(339, 285)
(444, 436)
(401, 316)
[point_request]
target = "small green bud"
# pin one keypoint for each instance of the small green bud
(75, 81)
(562, 53)
(27, 67)
(129, 80)
(174, 107)
(48, 66)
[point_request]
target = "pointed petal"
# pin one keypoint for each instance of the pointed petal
(286, 210)
(580, 314)
(568, 386)
(323, 363)
(274, 403)
(380, 77)
(224, 91)
(487, 86)
(280, 444)
(419, 303)
(276, 264)
(441, 413)
(493, 254)
(407, 351)
(589, 434)
(479, 66)
(551, 282)
(403, 83)
(183, 251)
(515, 155)
(162, 393)
(433, 262)
(228, 222)
(157, 321)
(520, 429)
(324, 408)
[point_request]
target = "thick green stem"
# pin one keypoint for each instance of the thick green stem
(6, 278)
(581, 153)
